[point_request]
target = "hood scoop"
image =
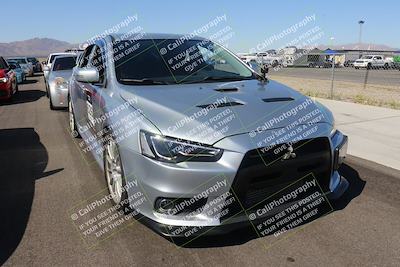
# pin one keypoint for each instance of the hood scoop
(221, 105)
(227, 90)
(277, 99)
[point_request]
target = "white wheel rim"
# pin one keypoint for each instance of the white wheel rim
(113, 171)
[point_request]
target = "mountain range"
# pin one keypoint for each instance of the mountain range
(38, 47)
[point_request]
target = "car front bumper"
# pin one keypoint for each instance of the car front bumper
(360, 65)
(59, 96)
(189, 180)
(5, 91)
(174, 231)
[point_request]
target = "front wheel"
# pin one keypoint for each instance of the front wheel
(113, 171)
(51, 104)
(72, 123)
(386, 66)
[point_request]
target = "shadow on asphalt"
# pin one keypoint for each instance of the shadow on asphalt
(30, 81)
(24, 96)
(24, 159)
(356, 186)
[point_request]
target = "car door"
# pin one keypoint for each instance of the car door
(378, 61)
(94, 99)
(79, 92)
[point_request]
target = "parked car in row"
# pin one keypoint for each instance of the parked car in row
(25, 64)
(37, 67)
(322, 64)
(372, 61)
(175, 166)
(58, 79)
(349, 63)
(8, 81)
(48, 63)
(19, 71)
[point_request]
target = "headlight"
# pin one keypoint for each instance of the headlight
(3, 80)
(172, 150)
(333, 131)
(61, 83)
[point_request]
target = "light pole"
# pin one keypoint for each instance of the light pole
(360, 22)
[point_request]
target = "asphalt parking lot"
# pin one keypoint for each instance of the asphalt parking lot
(43, 175)
(379, 77)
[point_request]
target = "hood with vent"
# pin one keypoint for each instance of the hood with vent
(209, 112)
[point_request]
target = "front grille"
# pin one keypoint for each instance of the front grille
(3, 93)
(264, 173)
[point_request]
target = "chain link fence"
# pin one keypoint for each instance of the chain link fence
(377, 85)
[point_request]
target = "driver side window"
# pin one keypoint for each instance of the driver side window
(85, 58)
(96, 60)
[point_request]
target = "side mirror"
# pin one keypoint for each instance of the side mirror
(87, 75)
(46, 68)
(264, 70)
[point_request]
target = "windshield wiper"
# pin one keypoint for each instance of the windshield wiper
(220, 79)
(144, 81)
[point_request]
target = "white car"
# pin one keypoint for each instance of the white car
(47, 64)
(372, 61)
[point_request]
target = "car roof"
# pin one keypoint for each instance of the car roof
(62, 53)
(64, 56)
(17, 58)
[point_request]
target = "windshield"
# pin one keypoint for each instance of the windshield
(32, 59)
(366, 57)
(19, 60)
(176, 61)
(64, 63)
(52, 57)
(17, 66)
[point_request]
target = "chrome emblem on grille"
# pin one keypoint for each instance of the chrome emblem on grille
(289, 154)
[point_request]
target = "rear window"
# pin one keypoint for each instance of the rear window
(32, 59)
(54, 56)
(19, 60)
(64, 63)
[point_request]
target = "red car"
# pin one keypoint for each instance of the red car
(8, 81)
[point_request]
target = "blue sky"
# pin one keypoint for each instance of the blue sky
(251, 21)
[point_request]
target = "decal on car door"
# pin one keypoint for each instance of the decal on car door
(89, 109)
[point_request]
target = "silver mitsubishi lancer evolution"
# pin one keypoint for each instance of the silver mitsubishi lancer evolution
(194, 141)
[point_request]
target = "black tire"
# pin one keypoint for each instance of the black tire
(356, 68)
(386, 66)
(51, 104)
(47, 91)
(72, 124)
(369, 66)
(14, 91)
